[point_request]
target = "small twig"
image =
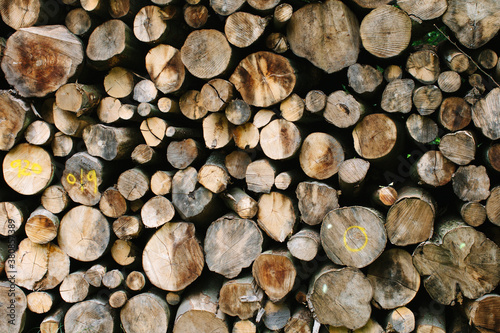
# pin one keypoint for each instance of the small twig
(468, 56)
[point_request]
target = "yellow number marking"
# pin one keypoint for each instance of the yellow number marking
(23, 168)
(91, 177)
(363, 230)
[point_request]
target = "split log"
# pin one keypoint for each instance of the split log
(459, 147)
(38, 60)
(376, 137)
(471, 183)
(39, 267)
(471, 30)
(155, 25)
(74, 287)
(275, 272)
(206, 53)
(152, 311)
(315, 200)
(119, 82)
(315, 101)
(353, 236)
(433, 169)
(62, 145)
(280, 139)
(276, 315)
(423, 66)
(493, 206)
(173, 260)
(84, 233)
(410, 220)
(14, 309)
(277, 42)
(454, 114)
(421, 129)
(199, 311)
(320, 155)
(161, 182)
(457, 261)
(397, 96)
(333, 19)
(133, 184)
(113, 279)
(94, 275)
(260, 175)
(246, 136)
(485, 114)
(473, 213)
(238, 112)
(352, 174)
(243, 29)
(427, 99)
(42, 226)
(68, 123)
(449, 81)
(424, 10)
(83, 315)
(193, 202)
(82, 176)
(196, 16)
(241, 297)
(125, 253)
(483, 312)
(304, 245)
(400, 320)
(394, 279)
(386, 31)
(135, 281)
(128, 227)
(121, 49)
(157, 211)
(364, 79)
(110, 143)
(39, 133)
(277, 215)
(165, 68)
(181, 154)
(217, 131)
(55, 199)
(40, 301)
(28, 169)
(16, 116)
(216, 94)
(232, 244)
(342, 109)
(264, 78)
(237, 163)
(340, 297)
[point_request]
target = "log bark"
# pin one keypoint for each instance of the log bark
(84, 233)
(119, 141)
(153, 311)
(386, 31)
(93, 313)
(421, 129)
(39, 267)
(340, 297)
(41, 226)
(264, 78)
(165, 67)
(457, 261)
(315, 200)
(353, 236)
(184, 260)
(16, 116)
(241, 297)
(397, 96)
(471, 183)
(433, 169)
(277, 215)
(410, 220)
(331, 18)
(243, 29)
(38, 60)
(343, 110)
(320, 155)
(423, 66)
(459, 147)
(28, 169)
(206, 53)
(241, 236)
(394, 279)
(427, 99)
(193, 202)
(275, 272)
(471, 30)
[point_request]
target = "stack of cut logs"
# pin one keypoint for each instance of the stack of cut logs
(250, 166)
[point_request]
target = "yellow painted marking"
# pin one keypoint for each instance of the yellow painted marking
(24, 169)
(363, 230)
(91, 177)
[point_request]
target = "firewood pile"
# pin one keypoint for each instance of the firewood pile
(250, 166)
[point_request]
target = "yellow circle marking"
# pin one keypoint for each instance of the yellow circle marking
(363, 230)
